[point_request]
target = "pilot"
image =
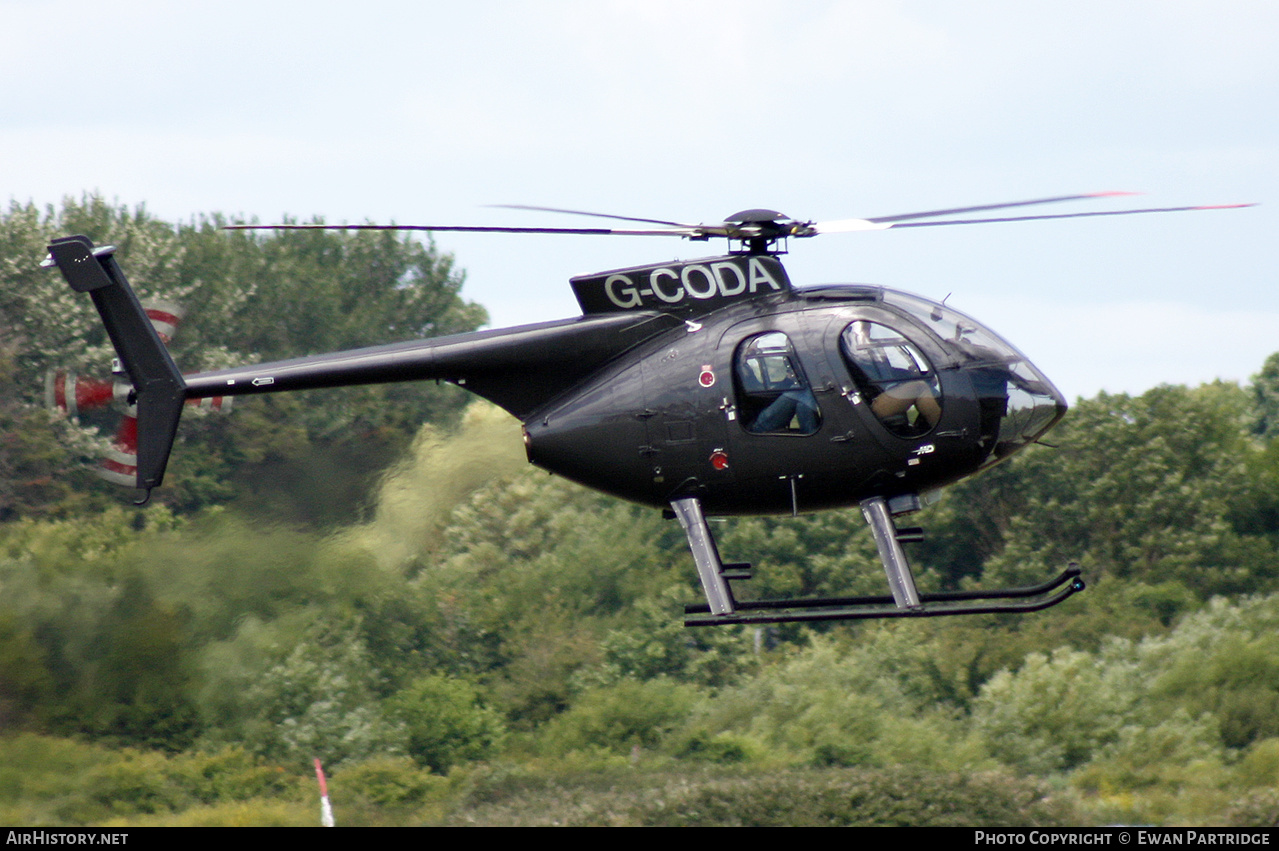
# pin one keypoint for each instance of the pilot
(900, 398)
(891, 373)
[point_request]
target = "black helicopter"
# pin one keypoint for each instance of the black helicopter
(701, 387)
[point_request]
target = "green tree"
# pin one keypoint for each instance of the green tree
(1265, 390)
(1139, 488)
(657, 644)
(318, 699)
(1220, 661)
(444, 722)
(616, 718)
(526, 585)
(836, 702)
(1057, 711)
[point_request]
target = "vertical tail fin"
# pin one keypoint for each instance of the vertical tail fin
(158, 385)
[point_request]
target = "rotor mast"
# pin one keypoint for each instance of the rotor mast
(760, 232)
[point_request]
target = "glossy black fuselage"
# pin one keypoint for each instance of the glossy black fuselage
(666, 419)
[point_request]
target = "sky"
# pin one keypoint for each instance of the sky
(426, 112)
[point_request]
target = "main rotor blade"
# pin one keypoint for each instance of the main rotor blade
(1001, 206)
(753, 230)
(596, 215)
(1066, 216)
(682, 231)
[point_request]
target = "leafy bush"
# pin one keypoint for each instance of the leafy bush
(618, 718)
(844, 797)
(1057, 711)
(50, 781)
(387, 782)
(838, 704)
(444, 723)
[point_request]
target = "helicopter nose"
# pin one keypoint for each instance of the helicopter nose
(1031, 406)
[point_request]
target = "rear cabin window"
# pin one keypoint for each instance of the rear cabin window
(774, 396)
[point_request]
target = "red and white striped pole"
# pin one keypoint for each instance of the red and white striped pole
(326, 810)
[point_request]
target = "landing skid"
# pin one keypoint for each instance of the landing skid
(905, 602)
(1029, 599)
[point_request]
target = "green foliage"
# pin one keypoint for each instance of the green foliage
(444, 723)
(882, 798)
(1258, 512)
(656, 644)
(229, 774)
(388, 782)
(134, 686)
(1057, 711)
(319, 700)
(1139, 489)
(1260, 764)
(621, 717)
(109, 649)
(1160, 773)
(807, 798)
(1260, 809)
(1222, 661)
(818, 706)
(40, 469)
(721, 748)
(836, 704)
(26, 685)
(826, 554)
(1265, 391)
(48, 781)
(525, 586)
(257, 812)
(1164, 711)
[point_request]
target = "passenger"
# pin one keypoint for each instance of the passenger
(798, 404)
(774, 388)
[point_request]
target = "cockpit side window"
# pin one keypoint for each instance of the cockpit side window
(893, 375)
(773, 394)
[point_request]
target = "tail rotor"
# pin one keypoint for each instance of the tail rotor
(75, 395)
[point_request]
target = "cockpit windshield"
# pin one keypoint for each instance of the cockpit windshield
(1018, 403)
(965, 337)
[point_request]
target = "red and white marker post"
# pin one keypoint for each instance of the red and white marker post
(326, 810)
